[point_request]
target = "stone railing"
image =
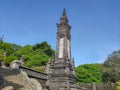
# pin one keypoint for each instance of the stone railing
(33, 73)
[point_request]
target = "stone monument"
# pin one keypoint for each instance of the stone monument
(61, 73)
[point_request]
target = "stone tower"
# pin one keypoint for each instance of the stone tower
(63, 39)
(62, 70)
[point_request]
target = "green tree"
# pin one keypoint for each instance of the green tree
(1, 56)
(9, 59)
(45, 47)
(26, 50)
(89, 73)
(111, 74)
(8, 48)
(36, 60)
(113, 59)
(118, 85)
(36, 55)
(111, 71)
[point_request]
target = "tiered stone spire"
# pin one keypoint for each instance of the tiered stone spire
(62, 68)
(63, 49)
(64, 17)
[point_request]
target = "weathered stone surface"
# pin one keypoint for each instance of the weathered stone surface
(33, 73)
(35, 85)
(18, 80)
(1, 82)
(62, 69)
(8, 88)
(15, 64)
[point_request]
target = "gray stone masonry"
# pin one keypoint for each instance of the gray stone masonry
(61, 69)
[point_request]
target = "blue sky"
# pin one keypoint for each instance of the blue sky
(95, 25)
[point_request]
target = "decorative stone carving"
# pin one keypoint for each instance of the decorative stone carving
(22, 59)
(62, 75)
(16, 64)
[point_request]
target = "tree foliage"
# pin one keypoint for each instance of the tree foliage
(9, 59)
(113, 59)
(111, 70)
(1, 56)
(89, 73)
(9, 48)
(118, 85)
(46, 49)
(34, 55)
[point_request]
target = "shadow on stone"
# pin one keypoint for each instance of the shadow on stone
(7, 72)
(14, 85)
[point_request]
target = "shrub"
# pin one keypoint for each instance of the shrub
(118, 85)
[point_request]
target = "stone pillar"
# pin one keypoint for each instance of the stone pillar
(22, 59)
(94, 86)
(47, 69)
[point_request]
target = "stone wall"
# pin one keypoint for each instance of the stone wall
(12, 79)
(2, 82)
(33, 73)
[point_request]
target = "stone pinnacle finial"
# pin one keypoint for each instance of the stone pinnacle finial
(64, 17)
(64, 12)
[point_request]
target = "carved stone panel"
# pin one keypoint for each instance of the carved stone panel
(68, 42)
(61, 48)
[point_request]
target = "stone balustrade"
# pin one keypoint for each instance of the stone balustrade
(33, 73)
